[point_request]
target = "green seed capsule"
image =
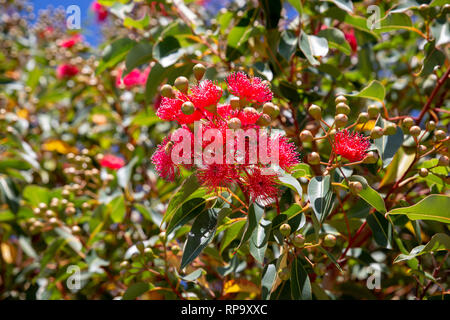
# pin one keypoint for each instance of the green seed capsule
(342, 108)
(199, 71)
(306, 136)
(313, 158)
(272, 110)
(182, 84)
(423, 172)
(315, 111)
(373, 110)
(340, 120)
(414, 131)
(329, 241)
(234, 123)
(340, 99)
(407, 123)
(377, 132)
(187, 108)
(390, 129)
(355, 187)
(285, 229)
(363, 117)
(298, 240)
(167, 91)
(264, 120)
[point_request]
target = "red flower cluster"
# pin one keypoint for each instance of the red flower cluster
(70, 42)
(66, 71)
(112, 162)
(227, 169)
(352, 146)
(351, 39)
(100, 11)
(134, 78)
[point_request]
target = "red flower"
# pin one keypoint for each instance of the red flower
(70, 42)
(112, 162)
(163, 161)
(248, 116)
(134, 78)
(100, 11)
(352, 146)
(170, 109)
(66, 71)
(214, 176)
(206, 94)
(288, 155)
(261, 187)
(251, 89)
(351, 39)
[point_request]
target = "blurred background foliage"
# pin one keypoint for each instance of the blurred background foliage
(60, 208)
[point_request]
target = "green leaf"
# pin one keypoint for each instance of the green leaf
(259, 240)
(313, 46)
(189, 187)
(300, 284)
(332, 258)
(135, 290)
(154, 79)
(115, 53)
(35, 195)
(231, 233)
(6, 216)
(438, 242)
(201, 234)
(434, 57)
(138, 24)
(288, 44)
(394, 21)
(388, 145)
(118, 211)
(441, 31)
(369, 195)
(433, 207)
(188, 211)
(192, 276)
(124, 173)
(321, 196)
(140, 54)
(269, 275)
(297, 5)
(356, 21)
(66, 234)
(168, 51)
(9, 193)
(301, 170)
(255, 213)
(336, 39)
(375, 90)
(289, 181)
(381, 229)
(346, 5)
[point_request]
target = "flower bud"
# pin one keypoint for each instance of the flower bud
(340, 99)
(332, 133)
(313, 158)
(42, 206)
(431, 125)
(285, 229)
(124, 265)
(390, 129)
(182, 84)
(422, 149)
(167, 91)
(363, 117)
(135, 256)
(187, 108)
(414, 131)
(272, 110)
(329, 241)
(423, 172)
(234, 123)
(298, 240)
(407, 123)
(439, 134)
(376, 133)
(340, 120)
(264, 120)
(371, 157)
(373, 110)
(199, 71)
(235, 104)
(342, 108)
(315, 111)
(70, 211)
(53, 222)
(355, 187)
(76, 229)
(149, 253)
(306, 136)
(443, 161)
(284, 274)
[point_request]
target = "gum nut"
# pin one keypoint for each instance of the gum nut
(313, 158)
(407, 123)
(315, 111)
(264, 120)
(199, 71)
(167, 91)
(363, 117)
(340, 99)
(342, 108)
(234, 123)
(306, 136)
(182, 84)
(414, 131)
(187, 108)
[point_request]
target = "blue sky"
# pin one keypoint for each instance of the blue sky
(89, 27)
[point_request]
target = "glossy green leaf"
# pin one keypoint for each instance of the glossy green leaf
(201, 234)
(381, 229)
(371, 196)
(374, 90)
(289, 181)
(140, 54)
(321, 196)
(336, 39)
(433, 207)
(269, 275)
(300, 284)
(118, 211)
(259, 240)
(313, 46)
(388, 145)
(135, 290)
(188, 211)
(346, 5)
(115, 53)
(255, 213)
(167, 51)
(438, 242)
